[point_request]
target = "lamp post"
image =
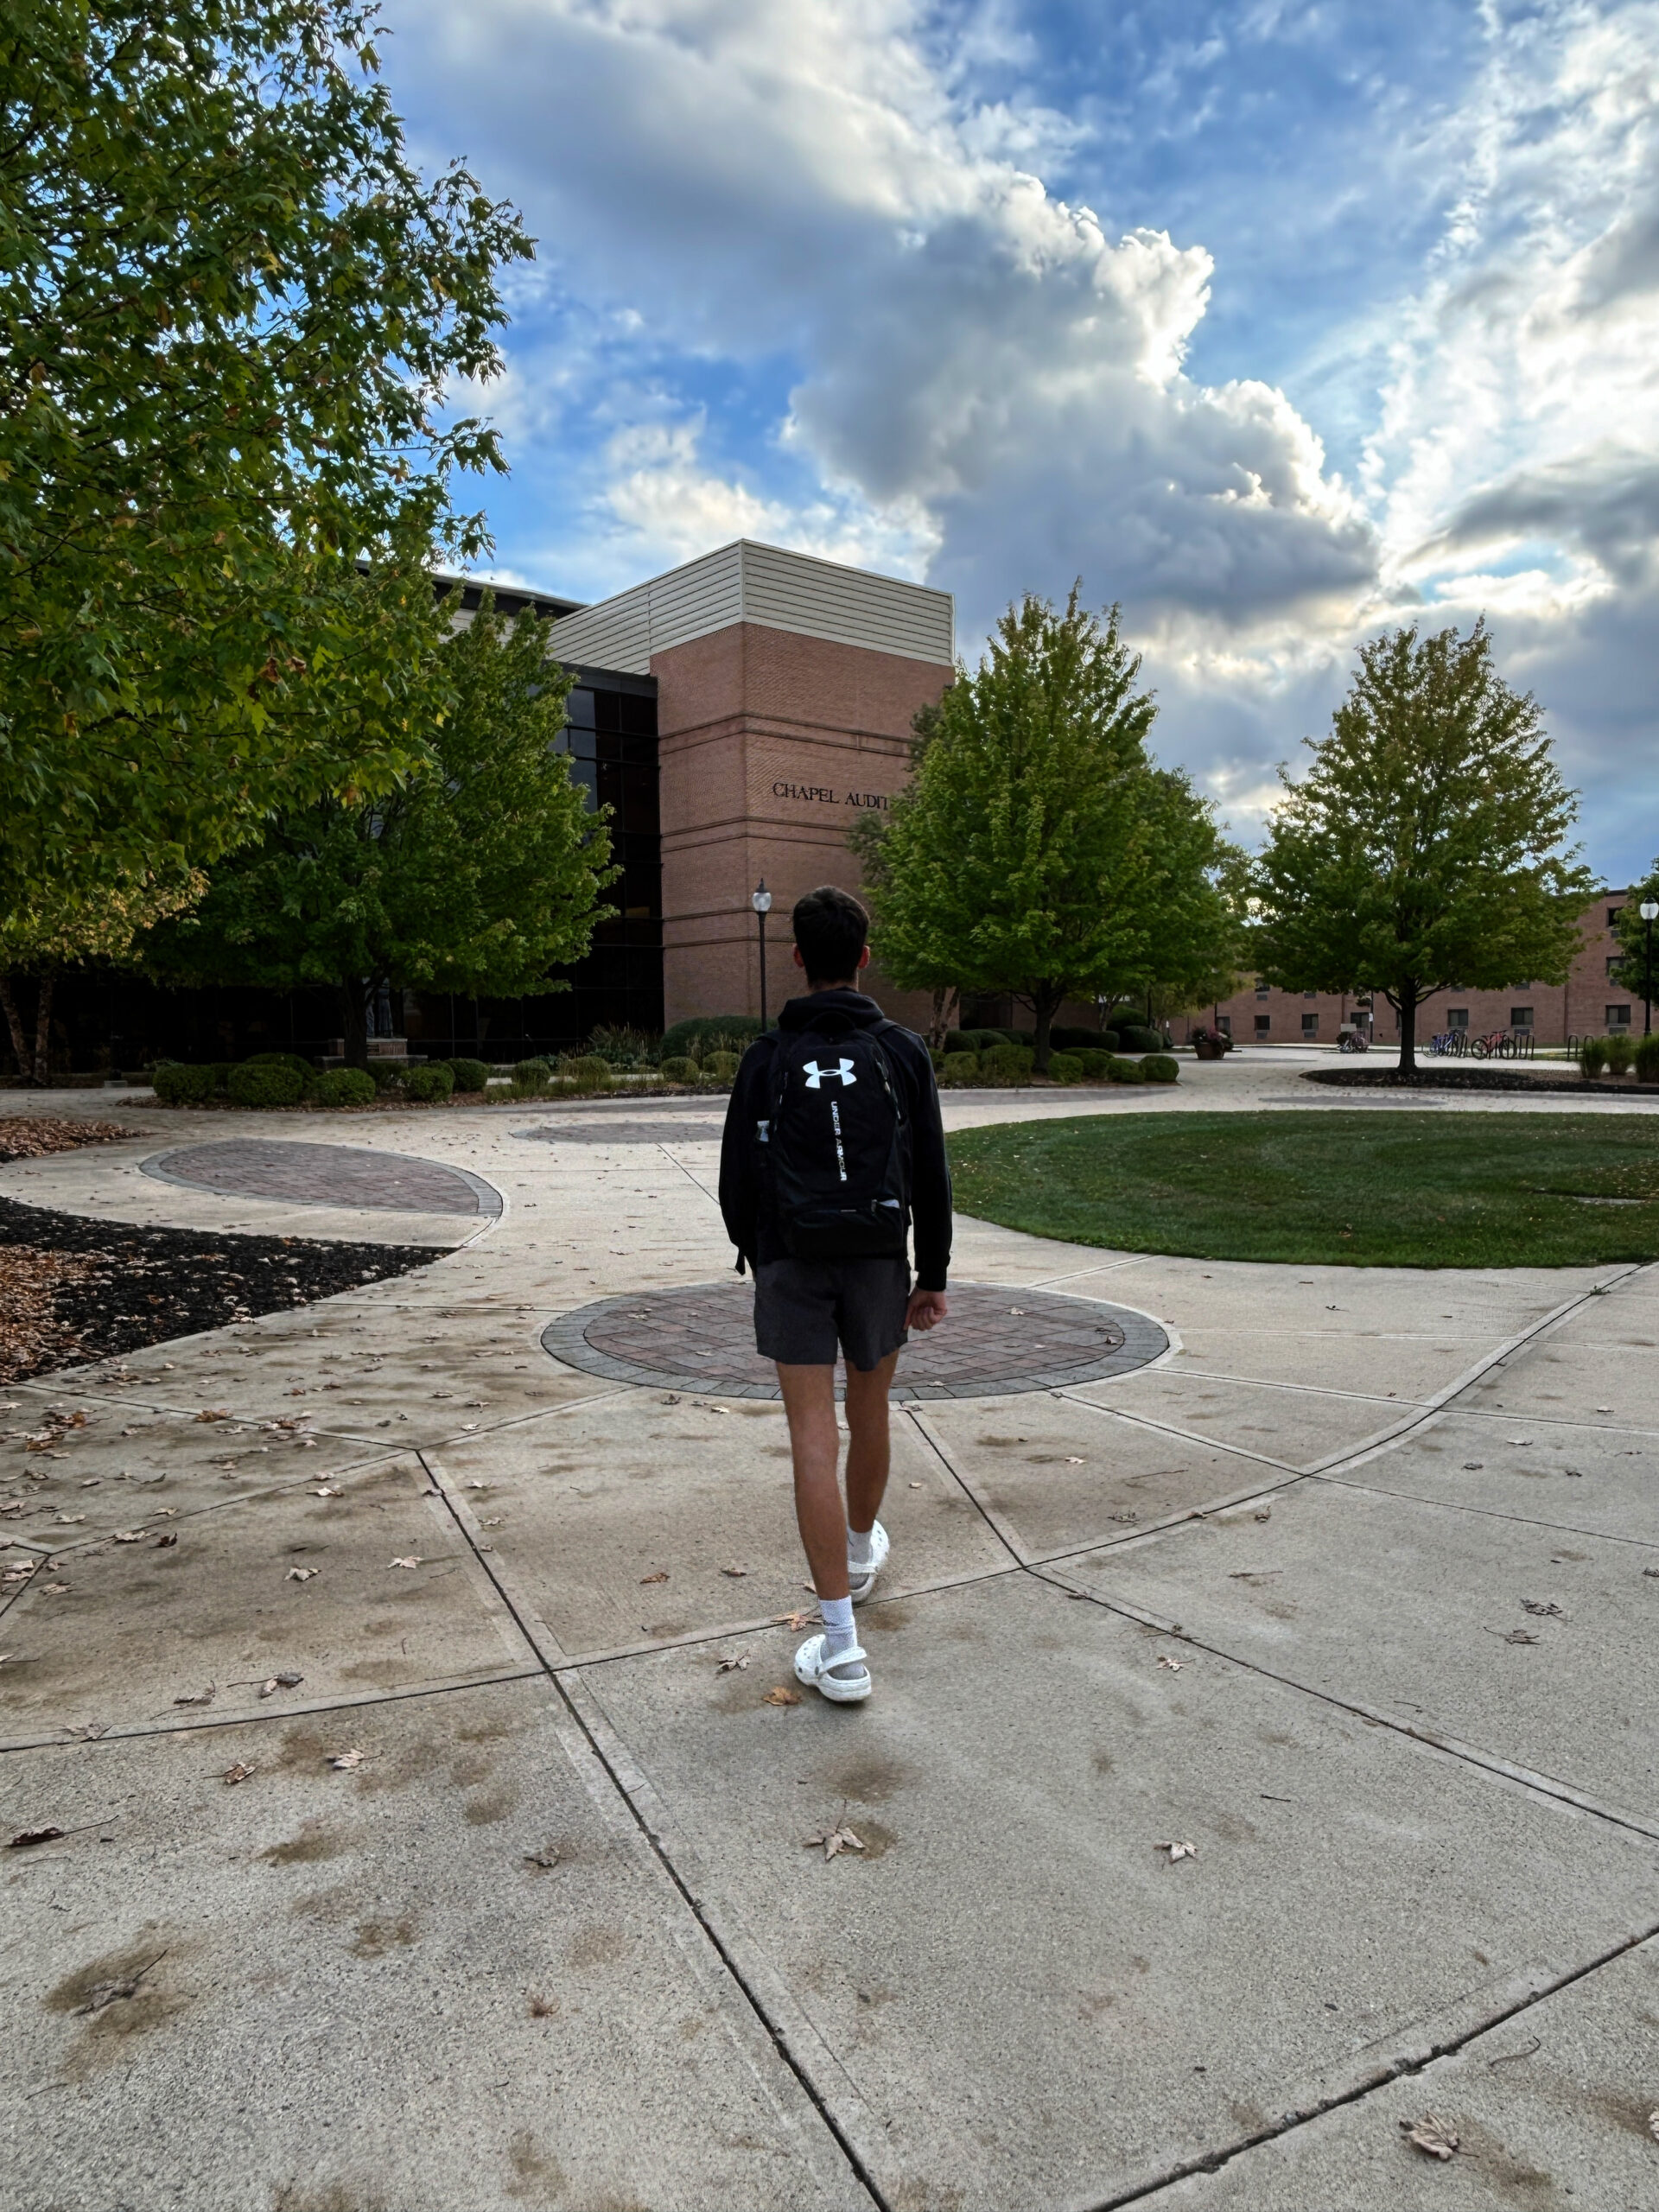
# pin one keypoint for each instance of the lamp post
(1647, 910)
(760, 900)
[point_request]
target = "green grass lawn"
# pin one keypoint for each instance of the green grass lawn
(1375, 1189)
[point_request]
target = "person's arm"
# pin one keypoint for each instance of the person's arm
(930, 1175)
(740, 1166)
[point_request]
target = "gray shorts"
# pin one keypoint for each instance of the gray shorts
(804, 1308)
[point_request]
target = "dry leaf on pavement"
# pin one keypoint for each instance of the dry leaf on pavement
(733, 1665)
(661, 1575)
(834, 1841)
(546, 1857)
(793, 1620)
(1547, 1607)
(1072, 1462)
(347, 1761)
(166, 1539)
(202, 1697)
(782, 1695)
(1515, 1635)
(24, 1837)
(287, 1680)
(325, 1489)
(1173, 1665)
(412, 1561)
(301, 1574)
(213, 1412)
(736, 1572)
(1435, 2139)
(239, 1772)
(131, 1535)
(1177, 1851)
(1653, 2126)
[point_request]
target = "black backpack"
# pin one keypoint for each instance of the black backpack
(838, 1144)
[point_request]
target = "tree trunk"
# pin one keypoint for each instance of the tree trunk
(1046, 1004)
(1406, 998)
(14, 1023)
(354, 1020)
(942, 998)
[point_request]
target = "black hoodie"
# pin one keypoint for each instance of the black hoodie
(747, 1224)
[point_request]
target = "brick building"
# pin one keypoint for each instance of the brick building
(1587, 1004)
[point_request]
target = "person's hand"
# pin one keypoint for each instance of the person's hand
(925, 1309)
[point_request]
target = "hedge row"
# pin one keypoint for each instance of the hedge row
(1005, 1064)
(285, 1079)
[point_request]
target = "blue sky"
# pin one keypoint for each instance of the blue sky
(1274, 321)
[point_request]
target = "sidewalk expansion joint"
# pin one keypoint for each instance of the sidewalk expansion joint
(1401, 2069)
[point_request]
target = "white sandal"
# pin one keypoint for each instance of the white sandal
(813, 1667)
(861, 1580)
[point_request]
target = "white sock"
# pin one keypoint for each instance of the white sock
(859, 1547)
(838, 1633)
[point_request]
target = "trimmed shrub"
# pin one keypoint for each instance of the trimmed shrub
(539, 1065)
(686, 1038)
(678, 1069)
(266, 1083)
(178, 1085)
(958, 1070)
(220, 1072)
(470, 1074)
(587, 1071)
(301, 1068)
(1138, 1038)
(431, 1082)
(1592, 1056)
(1067, 1037)
(1096, 1065)
(1127, 1072)
(624, 1047)
(345, 1087)
(1621, 1055)
(1647, 1060)
(719, 1067)
(1006, 1064)
(976, 1040)
(387, 1075)
(1065, 1067)
(1157, 1067)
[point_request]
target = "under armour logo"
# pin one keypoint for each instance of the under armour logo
(815, 1075)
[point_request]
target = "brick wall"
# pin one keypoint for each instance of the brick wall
(770, 746)
(1575, 1008)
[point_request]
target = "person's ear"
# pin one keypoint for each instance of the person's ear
(799, 962)
(863, 960)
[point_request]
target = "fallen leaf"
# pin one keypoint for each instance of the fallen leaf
(545, 1857)
(325, 1489)
(834, 1841)
(412, 1561)
(661, 1575)
(301, 1574)
(782, 1695)
(53, 1589)
(1522, 1440)
(1246, 1574)
(214, 1413)
(239, 1772)
(1016, 1311)
(347, 1761)
(131, 1535)
(1072, 1462)
(916, 1485)
(735, 1665)
(69, 1520)
(167, 1537)
(89, 1730)
(1473, 1466)
(1653, 2126)
(202, 1697)
(25, 1837)
(792, 1620)
(1546, 1607)
(1518, 1635)
(1173, 1665)
(1266, 1514)
(543, 2008)
(736, 1572)
(1177, 1851)
(287, 1680)
(1435, 2139)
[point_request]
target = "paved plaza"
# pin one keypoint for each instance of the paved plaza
(408, 1675)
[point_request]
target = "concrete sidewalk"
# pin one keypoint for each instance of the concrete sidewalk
(1354, 1588)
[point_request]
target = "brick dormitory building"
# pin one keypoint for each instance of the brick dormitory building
(738, 714)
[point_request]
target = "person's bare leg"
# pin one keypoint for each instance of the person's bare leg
(814, 1444)
(868, 1453)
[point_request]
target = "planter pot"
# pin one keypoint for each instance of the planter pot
(1207, 1049)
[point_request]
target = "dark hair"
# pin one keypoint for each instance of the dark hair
(830, 927)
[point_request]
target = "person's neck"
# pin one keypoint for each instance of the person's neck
(813, 990)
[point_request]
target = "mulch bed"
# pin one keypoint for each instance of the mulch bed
(72, 1290)
(1479, 1078)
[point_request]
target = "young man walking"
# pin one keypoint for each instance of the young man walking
(833, 1146)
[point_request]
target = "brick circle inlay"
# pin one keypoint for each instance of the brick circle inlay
(995, 1342)
(325, 1175)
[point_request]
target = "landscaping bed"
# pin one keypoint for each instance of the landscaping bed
(73, 1289)
(1478, 1078)
(1358, 1189)
(34, 1136)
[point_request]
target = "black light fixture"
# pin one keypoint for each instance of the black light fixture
(1648, 910)
(760, 900)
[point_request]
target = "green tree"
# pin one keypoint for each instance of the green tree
(1033, 845)
(1421, 850)
(230, 310)
(61, 929)
(867, 841)
(1634, 939)
(477, 876)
